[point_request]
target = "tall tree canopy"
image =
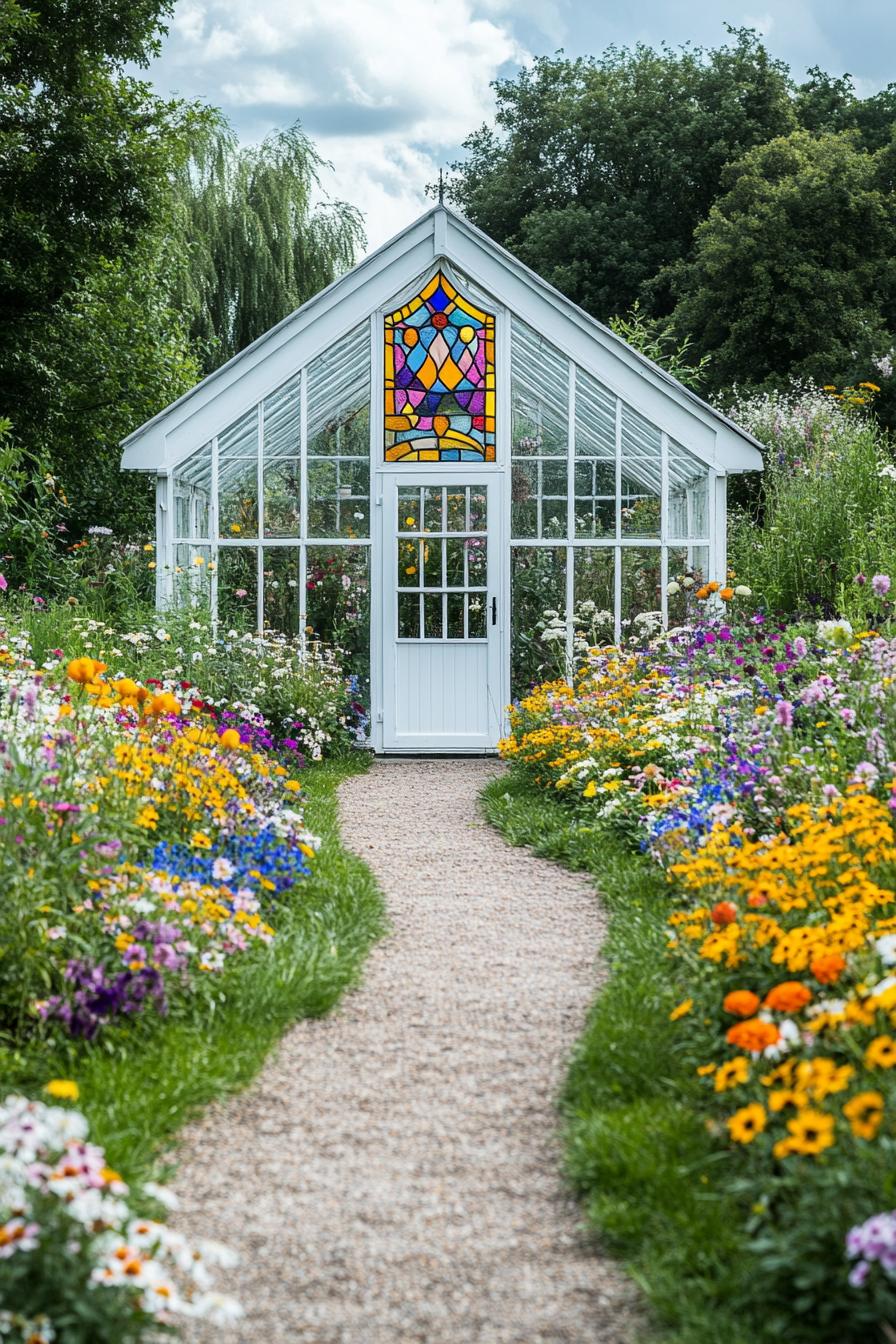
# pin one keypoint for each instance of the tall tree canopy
(258, 242)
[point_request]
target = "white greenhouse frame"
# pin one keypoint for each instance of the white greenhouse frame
(622, 420)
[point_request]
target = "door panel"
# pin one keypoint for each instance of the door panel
(441, 576)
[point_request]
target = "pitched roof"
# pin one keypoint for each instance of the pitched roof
(217, 400)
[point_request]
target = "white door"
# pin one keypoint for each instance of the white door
(442, 671)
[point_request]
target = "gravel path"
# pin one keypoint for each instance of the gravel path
(392, 1176)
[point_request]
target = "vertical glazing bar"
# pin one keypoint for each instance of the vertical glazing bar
(259, 448)
(443, 544)
(617, 578)
(570, 520)
(303, 511)
(213, 528)
(664, 526)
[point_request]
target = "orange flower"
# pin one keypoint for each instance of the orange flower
(788, 997)
(828, 968)
(754, 1035)
(230, 738)
(713, 586)
(724, 912)
(726, 594)
(683, 1008)
(741, 1002)
(84, 670)
(703, 593)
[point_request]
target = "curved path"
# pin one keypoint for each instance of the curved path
(392, 1176)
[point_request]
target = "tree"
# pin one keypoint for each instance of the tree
(599, 170)
(86, 158)
(794, 270)
(258, 245)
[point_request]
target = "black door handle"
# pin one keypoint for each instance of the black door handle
(494, 611)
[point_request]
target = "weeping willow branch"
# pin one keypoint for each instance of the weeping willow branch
(258, 239)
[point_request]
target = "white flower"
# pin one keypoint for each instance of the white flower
(672, 588)
(743, 591)
(162, 636)
(886, 948)
(687, 582)
(836, 633)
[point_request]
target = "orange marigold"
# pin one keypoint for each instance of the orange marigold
(724, 912)
(755, 1035)
(788, 997)
(828, 968)
(741, 1002)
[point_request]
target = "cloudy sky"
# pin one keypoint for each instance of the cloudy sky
(389, 88)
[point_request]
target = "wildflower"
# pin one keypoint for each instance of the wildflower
(724, 912)
(810, 1133)
(681, 1010)
(732, 1073)
(63, 1089)
(743, 591)
(84, 670)
(741, 1002)
(726, 594)
(865, 1111)
(746, 1123)
(828, 968)
(754, 1034)
(3, 583)
(230, 739)
(880, 585)
(784, 714)
(672, 589)
(788, 997)
(881, 1053)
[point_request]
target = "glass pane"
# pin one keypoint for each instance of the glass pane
(476, 616)
(408, 508)
(409, 564)
(432, 509)
(432, 564)
(477, 562)
(537, 603)
(408, 616)
(237, 588)
(539, 394)
(192, 574)
(687, 572)
(339, 398)
(432, 616)
(538, 498)
(456, 507)
(282, 421)
(688, 494)
(641, 594)
(641, 476)
(455, 616)
(595, 471)
(192, 495)
(338, 497)
(524, 512)
(282, 491)
(338, 605)
(281, 590)
(595, 502)
(455, 551)
(478, 501)
(594, 591)
(238, 497)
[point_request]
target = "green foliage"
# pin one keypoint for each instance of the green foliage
(826, 510)
(258, 245)
(600, 169)
(652, 337)
(794, 268)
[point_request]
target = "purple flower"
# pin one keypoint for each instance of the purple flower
(880, 585)
(784, 714)
(860, 580)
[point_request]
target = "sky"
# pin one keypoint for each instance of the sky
(389, 89)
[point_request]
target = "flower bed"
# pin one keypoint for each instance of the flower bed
(756, 763)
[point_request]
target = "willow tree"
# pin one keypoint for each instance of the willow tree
(258, 237)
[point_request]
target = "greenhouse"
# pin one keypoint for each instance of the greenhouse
(445, 468)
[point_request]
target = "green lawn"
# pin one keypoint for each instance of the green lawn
(635, 1151)
(139, 1086)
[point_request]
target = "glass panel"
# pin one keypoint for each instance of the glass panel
(594, 590)
(408, 508)
(338, 604)
(192, 574)
(339, 439)
(524, 510)
(238, 478)
(641, 476)
(457, 509)
(408, 616)
(595, 470)
(409, 564)
(455, 628)
(475, 615)
(688, 567)
(192, 495)
(688, 494)
(432, 616)
(238, 588)
(478, 501)
(641, 595)
(539, 391)
(455, 570)
(439, 379)
(281, 590)
(432, 564)
(477, 562)
(283, 421)
(432, 509)
(537, 598)
(282, 492)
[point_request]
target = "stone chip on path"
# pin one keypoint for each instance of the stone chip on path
(393, 1174)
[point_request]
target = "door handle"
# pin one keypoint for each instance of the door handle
(494, 611)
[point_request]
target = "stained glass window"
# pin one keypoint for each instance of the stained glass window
(440, 378)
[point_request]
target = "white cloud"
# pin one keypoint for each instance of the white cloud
(387, 90)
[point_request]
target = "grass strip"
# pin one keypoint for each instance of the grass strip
(139, 1087)
(635, 1149)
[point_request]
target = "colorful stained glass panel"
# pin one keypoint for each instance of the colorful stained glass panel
(439, 378)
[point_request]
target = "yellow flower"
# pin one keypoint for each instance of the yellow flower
(811, 1132)
(864, 1112)
(745, 1124)
(230, 739)
(590, 789)
(682, 1010)
(881, 1053)
(292, 785)
(235, 527)
(200, 840)
(732, 1073)
(63, 1089)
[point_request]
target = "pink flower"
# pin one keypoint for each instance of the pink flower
(784, 714)
(3, 584)
(880, 584)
